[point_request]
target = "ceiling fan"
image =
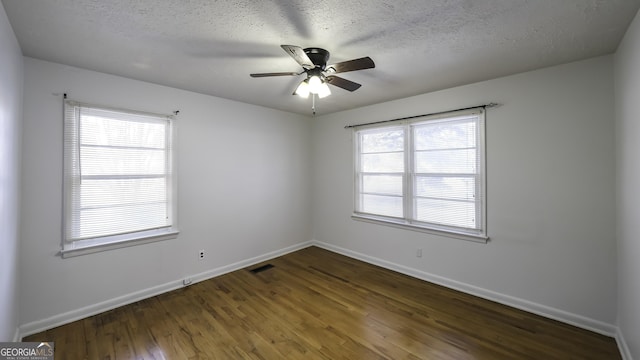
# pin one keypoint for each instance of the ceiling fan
(319, 74)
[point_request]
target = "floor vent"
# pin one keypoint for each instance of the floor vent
(261, 268)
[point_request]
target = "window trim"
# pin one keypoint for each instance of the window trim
(406, 225)
(115, 241)
(90, 246)
(480, 236)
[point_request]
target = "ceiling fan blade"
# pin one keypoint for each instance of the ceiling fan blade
(298, 54)
(343, 83)
(352, 65)
(275, 74)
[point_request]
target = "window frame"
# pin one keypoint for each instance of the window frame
(407, 221)
(81, 246)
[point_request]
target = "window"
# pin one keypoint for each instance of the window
(426, 174)
(119, 178)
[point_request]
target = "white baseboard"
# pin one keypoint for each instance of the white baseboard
(622, 346)
(248, 262)
(74, 315)
(65, 318)
(538, 309)
(542, 310)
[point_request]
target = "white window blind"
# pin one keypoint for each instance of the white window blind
(119, 175)
(425, 173)
(381, 175)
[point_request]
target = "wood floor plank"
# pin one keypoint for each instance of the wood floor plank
(315, 304)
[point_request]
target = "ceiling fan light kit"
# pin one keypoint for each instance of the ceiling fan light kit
(314, 64)
(313, 84)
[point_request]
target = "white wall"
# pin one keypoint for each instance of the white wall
(243, 187)
(627, 90)
(11, 74)
(550, 164)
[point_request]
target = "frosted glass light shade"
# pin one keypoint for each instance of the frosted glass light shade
(314, 84)
(303, 89)
(323, 90)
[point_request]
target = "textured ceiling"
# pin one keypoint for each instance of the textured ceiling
(418, 46)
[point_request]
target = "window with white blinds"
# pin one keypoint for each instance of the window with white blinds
(119, 177)
(427, 173)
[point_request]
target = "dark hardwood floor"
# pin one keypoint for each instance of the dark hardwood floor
(315, 304)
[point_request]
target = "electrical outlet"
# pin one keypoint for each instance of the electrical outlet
(201, 255)
(419, 253)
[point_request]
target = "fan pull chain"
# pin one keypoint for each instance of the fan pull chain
(313, 104)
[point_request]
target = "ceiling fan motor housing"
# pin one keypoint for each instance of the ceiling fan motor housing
(318, 56)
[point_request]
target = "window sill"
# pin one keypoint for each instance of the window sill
(408, 226)
(90, 246)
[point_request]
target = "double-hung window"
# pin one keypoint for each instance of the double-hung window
(427, 174)
(119, 178)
